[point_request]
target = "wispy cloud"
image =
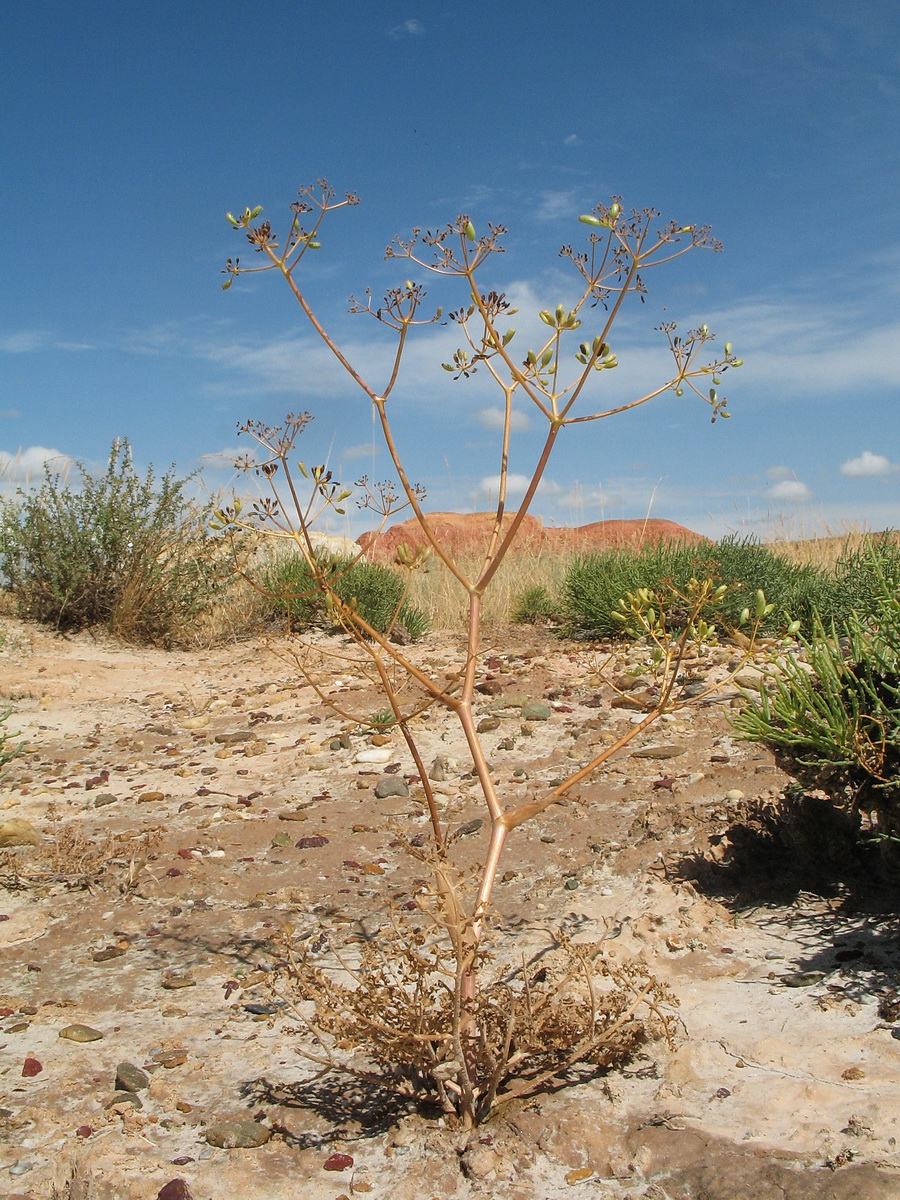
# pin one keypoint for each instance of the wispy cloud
(26, 341)
(555, 204)
(571, 139)
(867, 464)
(362, 450)
(411, 27)
(494, 418)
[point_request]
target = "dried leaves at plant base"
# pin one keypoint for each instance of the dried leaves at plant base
(397, 1017)
(73, 858)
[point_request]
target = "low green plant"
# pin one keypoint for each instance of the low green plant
(373, 590)
(595, 583)
(115, 549)
(834, 713)
(534, 606)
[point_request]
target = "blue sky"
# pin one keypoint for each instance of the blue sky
(129, 131)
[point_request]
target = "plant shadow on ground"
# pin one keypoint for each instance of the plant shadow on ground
(354, 1108)
(803, 865)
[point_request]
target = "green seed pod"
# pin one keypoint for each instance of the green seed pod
(679, 391)
(508, 336)
(546, 317)
(546, 357)
(744, 617)
(531, 358)
(560, 314)
(614, 211)
(728, 348)
(686, 229)
(587, 219)
(230, 217)
(793, 628)
(314, 245)
(760, 604)
(704, 329)
(470, 231)
(738, 362)
(255, 212)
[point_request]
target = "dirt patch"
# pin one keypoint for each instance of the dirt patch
(191, 807)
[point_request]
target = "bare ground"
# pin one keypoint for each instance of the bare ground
(169, 860)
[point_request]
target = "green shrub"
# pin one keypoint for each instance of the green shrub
(534, 606)
(835, 717)
(373, 590)
(117, 550)
(595, 583)
(861, 577)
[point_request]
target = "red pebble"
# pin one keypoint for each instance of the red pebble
(31, 1067)
(339, 1162)
(175, 1189)
(83, 1131)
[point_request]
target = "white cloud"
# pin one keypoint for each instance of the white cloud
(27, 465)
(868, 464)
(776, 474)
(25, 342)
(362, 450)
(493, 418)
(554, 205)
(790, 490)
(408, 28)
(571, 139)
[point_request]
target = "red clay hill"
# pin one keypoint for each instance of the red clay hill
(469, 532)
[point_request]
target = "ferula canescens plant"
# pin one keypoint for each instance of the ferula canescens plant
(420, 1008)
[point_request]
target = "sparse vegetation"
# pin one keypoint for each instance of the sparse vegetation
(594, 583)
(834, 712)
(118, 550)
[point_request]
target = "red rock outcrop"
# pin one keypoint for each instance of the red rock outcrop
(465, 533)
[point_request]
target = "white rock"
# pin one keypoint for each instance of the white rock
(377, 754)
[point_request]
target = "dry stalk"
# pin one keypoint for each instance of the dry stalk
(421, 1004)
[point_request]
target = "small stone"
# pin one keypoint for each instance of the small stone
(312, 843)
(796, 979)
(151, 797)
(852, 1073)
(84, 1131)
(536, 711)
(391, 785)
(31, 1067)
(173, 980)
(130, 1078)
(279, 840)
(21, 1168)
(443, 768)
(122, 1102)
(670, 750)
(470, 827)
(170, 1058)
(103, 799)
(80, 1033)
(579, 1175)
(252, 749)
(231, 739)
(16, 832)
(175, 1189)
(487, 724)
(571, 885)
(107, 954)
(375, 754)
(237, 1135)
(733, 795)
(338, 1162)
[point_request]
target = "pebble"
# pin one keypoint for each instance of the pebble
(231, 739)
(172, 981)
(21, 1168)
(391, 785)
(80, 1033)
(151, 797)
(103, 799)
(16, 832)
(121, 1101)
(237, 1135)
(443, 768)
(31, 1067)
(175, 1189)
(338, 1162)
(670, 750)
(486, 724)
(375, 754)
(536, 711)
(130, 1078)
(734, 795)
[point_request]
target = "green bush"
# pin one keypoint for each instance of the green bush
(115, 549)
(835, 717)
(534, 606)
(595, 583)
(374, 591)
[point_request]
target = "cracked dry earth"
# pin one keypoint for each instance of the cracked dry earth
(189, 805)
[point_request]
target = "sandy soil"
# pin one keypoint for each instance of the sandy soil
(203, 772)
